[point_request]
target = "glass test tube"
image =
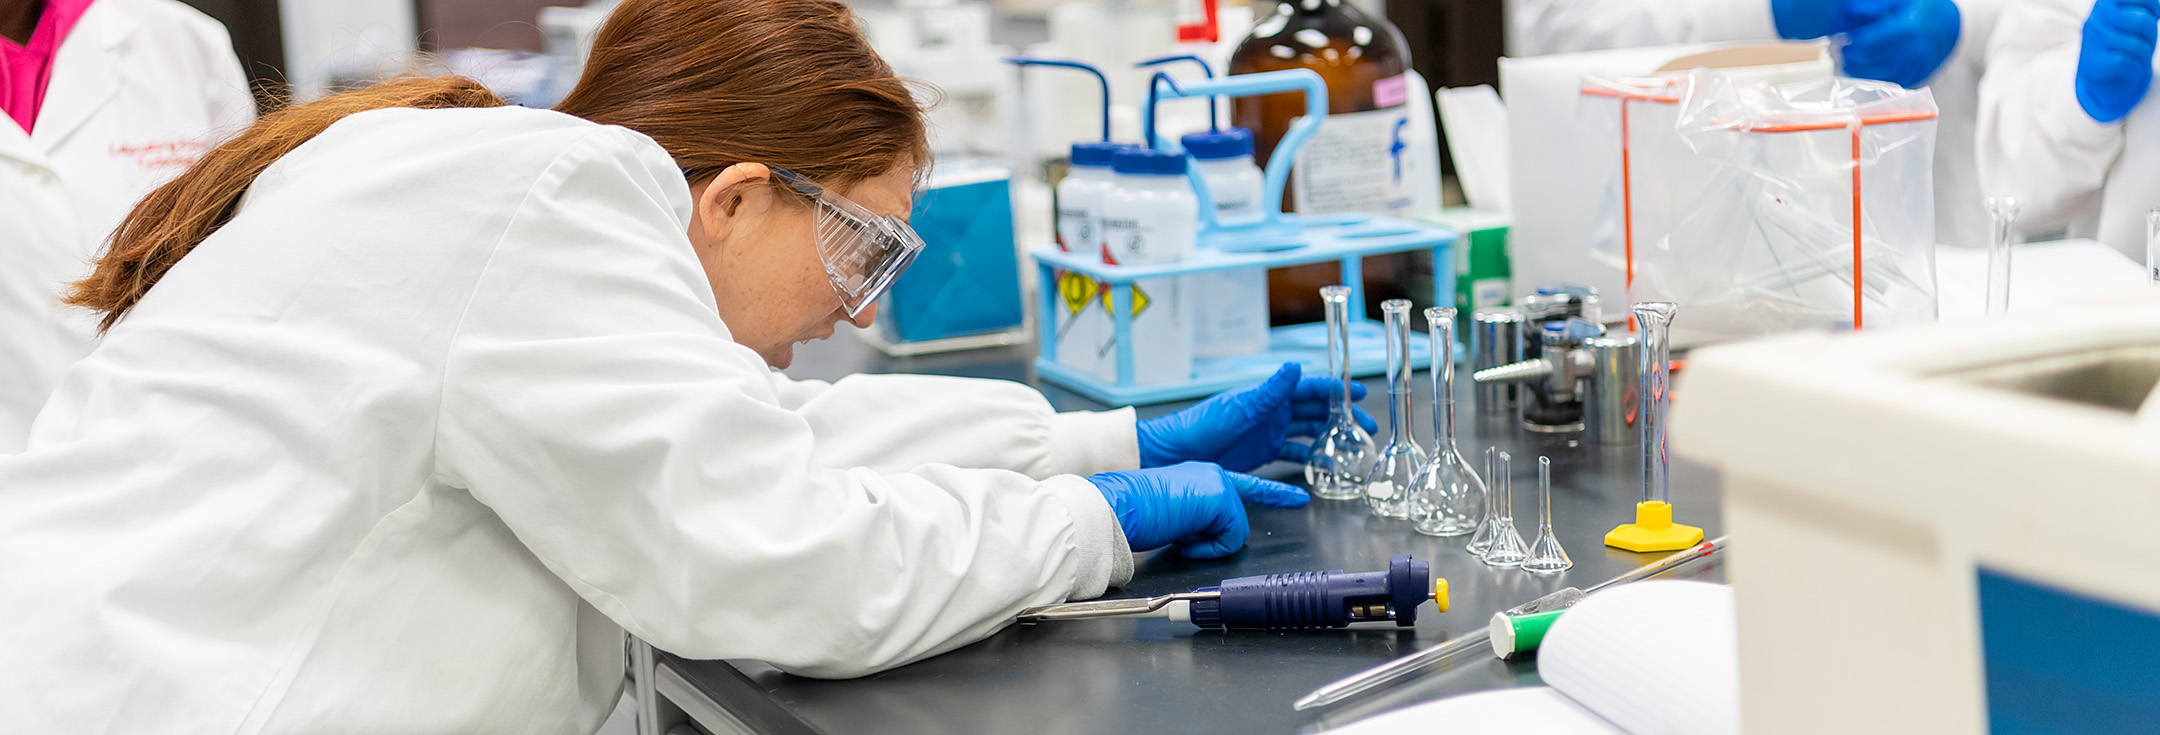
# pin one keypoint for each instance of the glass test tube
(2002, 218)
(1655, 317)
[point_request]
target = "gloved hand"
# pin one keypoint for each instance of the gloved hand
(1197, 506)
(1800, 20)
(1245, 428)
(1905, 46)
(2115, 58)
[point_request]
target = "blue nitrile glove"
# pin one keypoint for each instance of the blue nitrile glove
(2115, 58)
(1800, 20)
(1906, 46)
(1245, 428)
(1197, 506)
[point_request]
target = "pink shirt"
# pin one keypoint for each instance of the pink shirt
(25, 69)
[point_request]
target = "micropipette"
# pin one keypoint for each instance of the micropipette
(1375, 677)
(1331, 599)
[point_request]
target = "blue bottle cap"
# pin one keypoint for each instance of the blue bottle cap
(1095, 152)
(1571, 289)
(1224, 143)
(1148, 161)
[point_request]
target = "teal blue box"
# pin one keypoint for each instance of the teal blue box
(967, 280)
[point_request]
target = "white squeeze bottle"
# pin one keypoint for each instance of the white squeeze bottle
(1151, 217)
(1231, 308)
(1082, 326)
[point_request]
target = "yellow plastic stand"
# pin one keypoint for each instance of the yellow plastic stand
(1653, 530)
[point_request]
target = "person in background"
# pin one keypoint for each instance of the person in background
(2066, 123)
(1939, 44)
(104, 100)
(410, 404)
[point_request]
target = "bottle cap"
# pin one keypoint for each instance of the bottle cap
(1224, 143)
(1148, 161)
(1095, 152)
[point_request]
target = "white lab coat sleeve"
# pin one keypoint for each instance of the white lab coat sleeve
(892, 422)
(1565, 26)
(2034, 141)
(592, 399)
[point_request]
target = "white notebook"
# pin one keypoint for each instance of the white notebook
(1650, 658)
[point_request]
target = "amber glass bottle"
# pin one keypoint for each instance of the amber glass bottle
(1354, 163)
(1362, 59)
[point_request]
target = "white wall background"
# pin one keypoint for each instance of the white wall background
(330, 39)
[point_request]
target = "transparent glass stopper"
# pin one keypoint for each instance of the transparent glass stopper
(1546, 556)
(1448, 497)
(1343, 452)
(2002, 230)
(1394, 470)
(1488, 520)
(1507, 546)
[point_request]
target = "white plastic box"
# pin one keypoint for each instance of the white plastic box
(1943, 529)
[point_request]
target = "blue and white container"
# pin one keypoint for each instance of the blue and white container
(1151, 217)
(1081, 324)
(1231, 311)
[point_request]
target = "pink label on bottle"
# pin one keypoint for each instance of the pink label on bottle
(1391, 91)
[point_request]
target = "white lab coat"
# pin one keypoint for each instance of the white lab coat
(138, 88)
(2037, 144)
(1560, 26)
(398, 448)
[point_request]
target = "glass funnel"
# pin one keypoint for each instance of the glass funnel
(1395, 468)
(1343, 452)
(1488, 521)
(1447, 498)
(1546, 556)
(1507, 546)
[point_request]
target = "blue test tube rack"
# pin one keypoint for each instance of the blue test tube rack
(1276, 239)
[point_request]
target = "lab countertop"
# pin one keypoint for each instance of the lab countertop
(1155, 675)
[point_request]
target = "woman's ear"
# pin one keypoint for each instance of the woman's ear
(727, 197)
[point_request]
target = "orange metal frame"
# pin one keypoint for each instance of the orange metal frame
(1627, 181)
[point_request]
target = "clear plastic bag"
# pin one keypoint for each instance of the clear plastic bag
(1767, 242)
(1655, 172)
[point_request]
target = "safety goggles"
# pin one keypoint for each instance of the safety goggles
(863, 252)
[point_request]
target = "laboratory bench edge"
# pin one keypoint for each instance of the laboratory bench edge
(1155, 675)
